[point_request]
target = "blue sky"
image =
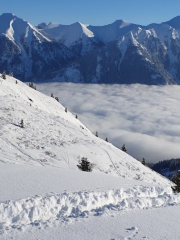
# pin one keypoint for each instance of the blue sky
(94, 12)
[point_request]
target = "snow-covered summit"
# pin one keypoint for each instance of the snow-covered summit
(53, 137)
(17, 29)
(112, 31)
(75, 36)
(70, 33)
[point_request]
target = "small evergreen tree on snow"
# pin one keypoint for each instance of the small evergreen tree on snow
(106, 139)
(22, 123)
(85, 165)
(143, 161)
(11, 74)
(66, 109)
(4, 75)
(124, 148)
(76, 116)
(52, 95)
(57, 99)
(16, 82)
(96, 134)
(32, 86)
(176, 180)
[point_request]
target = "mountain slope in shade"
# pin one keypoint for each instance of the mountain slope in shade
(26, 52)
(120, 52)
(137, 57)
(53, 137)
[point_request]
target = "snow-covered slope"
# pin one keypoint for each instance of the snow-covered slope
(75, 36)
(15, 28)
(112, 31)
(120, 52)
(53, 137)
(41, 186)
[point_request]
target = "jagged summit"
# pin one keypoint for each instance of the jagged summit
(75, 36)
(16, 28)
(91, 54)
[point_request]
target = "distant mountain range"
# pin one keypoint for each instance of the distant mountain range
(120, 52)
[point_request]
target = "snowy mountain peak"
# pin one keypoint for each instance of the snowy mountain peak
(121, 23)
(16, 29)
(52, 25)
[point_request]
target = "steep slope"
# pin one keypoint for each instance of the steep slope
(137, 57)
(120, 52)
(53, 137)
(112, 31)
(132, 54)
(27, 52)
(175, 23)
(76, 36)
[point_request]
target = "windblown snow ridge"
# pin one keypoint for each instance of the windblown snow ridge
(41, 209)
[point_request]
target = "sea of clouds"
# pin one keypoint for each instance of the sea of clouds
(144, 118)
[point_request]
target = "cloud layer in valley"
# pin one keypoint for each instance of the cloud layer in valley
(144, 118)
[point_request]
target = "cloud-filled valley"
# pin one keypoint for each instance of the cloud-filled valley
(144, 118)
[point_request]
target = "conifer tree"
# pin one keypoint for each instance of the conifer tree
(143, 161)
(76, 116)
(106, 140)
(176, 180)
(66, 109)
(4, 75)
(11, 74)
(85, 165)
(22, 123)
(124, 148)
(57, 99)
(96, 134)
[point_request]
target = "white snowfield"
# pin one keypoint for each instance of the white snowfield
(52, 137)
(40, 209)
(43, 195)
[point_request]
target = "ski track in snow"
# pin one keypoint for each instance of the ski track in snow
(39, 210)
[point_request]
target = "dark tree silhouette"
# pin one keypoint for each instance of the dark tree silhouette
(22, 123)
(176, 180)
(124, 148)
(4, 75)
(143, 161)
(85, 165)
(57, 99)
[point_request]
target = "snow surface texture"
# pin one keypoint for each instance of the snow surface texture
(145, 118)
(43, 192)
(52, 137)
(40, 209)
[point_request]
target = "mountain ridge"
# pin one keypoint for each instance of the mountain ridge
(119, 52)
